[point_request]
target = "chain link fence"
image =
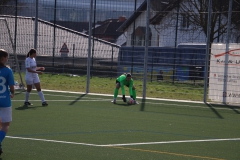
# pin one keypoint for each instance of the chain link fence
(161, 42)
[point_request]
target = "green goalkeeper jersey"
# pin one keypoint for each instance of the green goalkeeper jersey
(123, 81)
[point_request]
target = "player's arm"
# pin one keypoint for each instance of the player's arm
(40, 68)
(11, 84)
(130, 88)
(12, 90)
(123, 91)
(32, 71)
(122, 88)
(121, 79)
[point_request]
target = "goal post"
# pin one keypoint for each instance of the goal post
(6, 43)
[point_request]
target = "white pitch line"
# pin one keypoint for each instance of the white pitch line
(54, 95)
(55, 141)
(158, 99)
(127, 144)
(64, 100)
(99, 94)
(168, 142)
(103, 100)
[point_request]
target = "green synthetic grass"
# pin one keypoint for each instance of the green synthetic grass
(90, 120)
(181, 91)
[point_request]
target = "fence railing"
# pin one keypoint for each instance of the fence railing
(169, 42)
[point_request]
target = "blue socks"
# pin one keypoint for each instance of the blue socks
(2, 136)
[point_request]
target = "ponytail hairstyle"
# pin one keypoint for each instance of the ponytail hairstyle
(3, 53)
(31, 52)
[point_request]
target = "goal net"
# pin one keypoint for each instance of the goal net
(6, 43)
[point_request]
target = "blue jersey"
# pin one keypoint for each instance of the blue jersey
(6, 80)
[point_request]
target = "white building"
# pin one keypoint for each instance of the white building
(168, 30)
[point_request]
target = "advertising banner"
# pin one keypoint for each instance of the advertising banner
(224, 76)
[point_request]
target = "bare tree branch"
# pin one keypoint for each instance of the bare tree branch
(197, 10)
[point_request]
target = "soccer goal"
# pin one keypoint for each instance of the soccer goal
(6, 43)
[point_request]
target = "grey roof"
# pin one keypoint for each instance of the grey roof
(166, 7)
(25, 39)
(129, 21)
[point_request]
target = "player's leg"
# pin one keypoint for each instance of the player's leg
(2, 136)
(4, 130)
(6, 118)
(134, 95)
(27, 95)
(134, 92)
(116, 92)
(29, 82)
(40, 93)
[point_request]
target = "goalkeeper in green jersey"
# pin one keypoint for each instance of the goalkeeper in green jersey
(125, 80)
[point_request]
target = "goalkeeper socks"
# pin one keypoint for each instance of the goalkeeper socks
(2, 136)
(27, 94)
(40, 93)
(134, 94)
(115, 93)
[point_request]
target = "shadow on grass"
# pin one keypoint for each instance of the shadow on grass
(19, 92)
(24, 107)
(122, 104)
(80, 97)
(142, 105)
(214, 110)
(234, 108)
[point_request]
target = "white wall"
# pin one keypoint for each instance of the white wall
(141, 21)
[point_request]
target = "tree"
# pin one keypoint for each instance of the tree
(196, 11)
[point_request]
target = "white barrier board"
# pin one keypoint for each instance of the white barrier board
(224, 76)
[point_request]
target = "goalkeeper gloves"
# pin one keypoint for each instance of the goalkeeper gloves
(124, 99)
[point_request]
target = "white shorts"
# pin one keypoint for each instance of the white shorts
(32, 80)
(6, 114)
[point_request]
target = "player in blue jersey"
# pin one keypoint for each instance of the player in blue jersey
(6, 93)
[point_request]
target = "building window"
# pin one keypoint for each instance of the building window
(185, 22)
(138, 37)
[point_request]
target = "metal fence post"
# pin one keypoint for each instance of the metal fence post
(89, 47)
(146, 51)
(227, 49)
(54, 34)
(73, 58)
(36, 26)
(207, 51)
(112, 64)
